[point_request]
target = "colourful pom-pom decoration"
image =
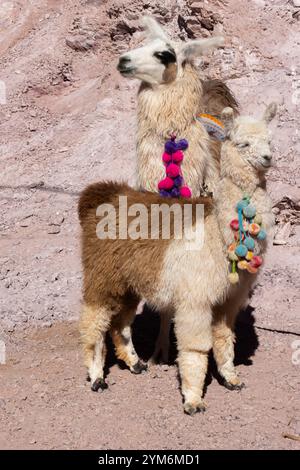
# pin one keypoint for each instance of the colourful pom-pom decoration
(241, 251)
(166, 184)
(177, 156)
(233, 278)
(234, 224)
(173, 170)
(262, 235)
(243, 264)
(249, 211)
(173, 184)
(249, 243)
(167, 158)
(258, 219)
(185, 192)
(245, 227)
(254, 229)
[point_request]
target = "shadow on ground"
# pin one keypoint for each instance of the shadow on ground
(146, 328)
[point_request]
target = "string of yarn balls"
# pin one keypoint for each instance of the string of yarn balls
(247, 226)
(173, 184)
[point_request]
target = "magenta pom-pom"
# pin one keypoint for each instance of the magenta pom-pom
(166, 184)
(177, 157)
(173, 170)
(185, 192)
(166, 157)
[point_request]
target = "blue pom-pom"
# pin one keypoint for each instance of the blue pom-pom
(164, 193)
(242, 204)
(249, 211)
(182, 144)
(170, 147)
(250, 243)
(262, 235)
(241, 250)
(175, 192)
(178, 181)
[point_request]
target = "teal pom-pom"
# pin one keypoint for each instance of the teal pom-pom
(242, 204)
(249, 211)
(262, 235)
(249, 243)
(241, 250)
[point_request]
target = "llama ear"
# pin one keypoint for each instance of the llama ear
(227, 117)
(193, 49)
(153, 29)
(270, 112)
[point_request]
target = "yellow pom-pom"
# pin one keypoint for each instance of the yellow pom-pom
(254, 229)
(258, 219)
(233, 278)
(243, 264)
(249, 255)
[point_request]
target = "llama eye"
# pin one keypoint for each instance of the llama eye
(244, 145)
(165, 57)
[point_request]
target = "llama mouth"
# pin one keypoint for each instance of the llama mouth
(126, 71)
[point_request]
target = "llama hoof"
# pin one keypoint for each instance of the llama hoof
(88, 378)
(99, 384)
(230, 386)
(139, 367)
(191, 409)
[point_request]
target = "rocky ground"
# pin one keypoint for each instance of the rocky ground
(66, 119)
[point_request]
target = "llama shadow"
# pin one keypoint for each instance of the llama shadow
(146, 328)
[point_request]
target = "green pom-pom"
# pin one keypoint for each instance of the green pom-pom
(262, 235)
(242, 204)
(249, 242)
(241, 250)
(249, 212)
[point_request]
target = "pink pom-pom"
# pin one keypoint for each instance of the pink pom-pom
(256, 261)
(167, 183)
(185, 192)
(234, 224)
(173, 170)
(177, 156)
(166, 157)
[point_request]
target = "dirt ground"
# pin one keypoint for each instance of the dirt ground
(67, 119)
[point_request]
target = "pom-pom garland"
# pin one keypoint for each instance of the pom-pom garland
(245, 227)
(173, 184)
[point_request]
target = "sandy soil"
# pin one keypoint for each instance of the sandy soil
(69, 119)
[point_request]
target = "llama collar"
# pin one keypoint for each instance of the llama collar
(213, 126)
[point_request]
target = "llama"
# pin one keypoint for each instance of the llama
(170, 97)
(194, 285)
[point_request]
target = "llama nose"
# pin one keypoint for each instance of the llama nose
(123, 62)
(267, 157)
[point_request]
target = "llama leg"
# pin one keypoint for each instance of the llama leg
(223, 345)
(194, 339)
(122, 339)
(94, 323)
(162, 344)
(121, 334)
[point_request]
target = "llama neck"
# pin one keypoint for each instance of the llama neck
(170, 107)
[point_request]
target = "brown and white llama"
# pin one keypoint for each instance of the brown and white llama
(171, 276)
(170, 97)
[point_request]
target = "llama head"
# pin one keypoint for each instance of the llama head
(250, 137)
(161, 60)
